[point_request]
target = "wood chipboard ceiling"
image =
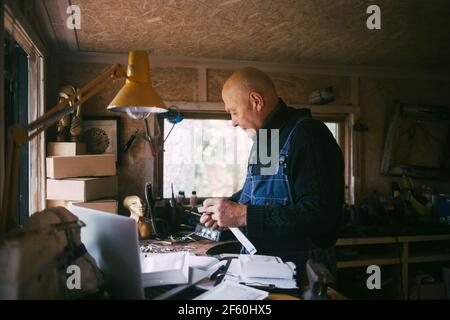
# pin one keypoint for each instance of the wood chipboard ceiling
(333, 32)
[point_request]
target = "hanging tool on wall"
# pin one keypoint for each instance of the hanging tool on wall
(150, 212)
(149, 138)
(144, 135)
(173, 116)
(130, 141)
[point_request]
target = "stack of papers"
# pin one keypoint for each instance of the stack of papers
(164, 268)
(262, 271)
(229, 290)
(202, 262)
(262, 266)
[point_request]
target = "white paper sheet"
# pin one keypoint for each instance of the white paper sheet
(236, 273)
(243, 240)
(156, 262)
(202, 262)
(265, 267)
(228, 290)
(164, 268)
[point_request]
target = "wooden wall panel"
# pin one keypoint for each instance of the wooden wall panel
(293, 88)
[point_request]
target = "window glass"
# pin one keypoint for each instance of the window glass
(208, 156)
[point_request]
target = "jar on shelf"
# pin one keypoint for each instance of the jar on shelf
(181, 198)
(193, 199)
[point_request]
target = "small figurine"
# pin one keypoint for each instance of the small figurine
(76, 125)
(137, 208)
(63, 125)
(135, 205)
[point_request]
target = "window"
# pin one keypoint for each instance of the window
(205, 155)
(208, 156)
(334, 128)
(24, 102)
(16, 107)
(340, 128)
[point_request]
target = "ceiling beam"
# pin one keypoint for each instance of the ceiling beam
(18, 26)
(225, 64)
(203, 106)
(47, 26)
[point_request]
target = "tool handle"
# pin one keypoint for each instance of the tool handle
(129, 143)
(149, 198)
(150, 212)
(222, 275)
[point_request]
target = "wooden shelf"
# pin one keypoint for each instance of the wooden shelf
(438, 237)
(394, 239)
(428, 257)
(369, 260)
(361, 241)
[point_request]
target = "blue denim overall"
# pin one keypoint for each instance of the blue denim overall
(270, 189)
(277, 190)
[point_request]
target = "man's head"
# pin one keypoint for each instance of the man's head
(249, 96)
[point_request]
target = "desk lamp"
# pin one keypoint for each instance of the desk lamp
(137, 98)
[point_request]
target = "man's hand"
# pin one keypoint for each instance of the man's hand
(223, 213)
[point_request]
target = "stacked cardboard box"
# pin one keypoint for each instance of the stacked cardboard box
(102, 205)
(74, 177)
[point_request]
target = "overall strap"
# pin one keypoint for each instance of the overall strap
(285, 150)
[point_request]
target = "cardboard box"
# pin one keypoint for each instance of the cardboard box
(57, 203)
(66, 149)
(110, 206)
(106, 205)
(82, 189)
(95, 165)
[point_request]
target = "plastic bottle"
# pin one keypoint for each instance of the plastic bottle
(181, 197)
(193, 199)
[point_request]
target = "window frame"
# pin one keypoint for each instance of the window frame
(23, 33)
(158, 163)
(344, 116)
(343, 142)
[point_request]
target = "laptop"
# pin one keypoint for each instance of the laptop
(112, 241)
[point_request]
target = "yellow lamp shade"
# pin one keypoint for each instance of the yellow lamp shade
(137, 97)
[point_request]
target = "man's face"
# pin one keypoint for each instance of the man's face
(237, 104)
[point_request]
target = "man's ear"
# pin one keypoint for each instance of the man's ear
(256, 101)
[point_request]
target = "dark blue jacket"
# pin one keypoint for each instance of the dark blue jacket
(316, 172)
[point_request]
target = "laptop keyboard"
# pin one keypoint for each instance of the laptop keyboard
(186, 294)
(154, 292)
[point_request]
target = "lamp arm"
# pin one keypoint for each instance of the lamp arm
(112, 73)
(19, 135)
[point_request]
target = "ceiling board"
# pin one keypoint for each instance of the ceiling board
(414, 32)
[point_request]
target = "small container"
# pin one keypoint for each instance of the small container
(193, 199)
(181, 198)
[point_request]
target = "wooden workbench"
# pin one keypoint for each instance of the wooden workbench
(200, 247)
(405, 256)
(204, 247)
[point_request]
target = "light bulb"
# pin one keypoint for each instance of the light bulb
(136, 113)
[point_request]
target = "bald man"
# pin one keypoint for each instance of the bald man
(295, 212)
